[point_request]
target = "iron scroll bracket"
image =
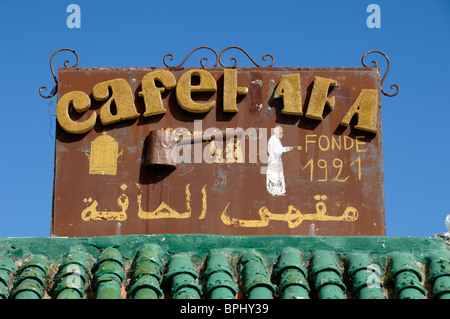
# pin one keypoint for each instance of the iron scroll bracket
(55, 87)
(374, 64)
(218, 58)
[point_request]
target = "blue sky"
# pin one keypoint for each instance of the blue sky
(415, 36)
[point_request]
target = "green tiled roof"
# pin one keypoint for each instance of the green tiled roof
(193, 266)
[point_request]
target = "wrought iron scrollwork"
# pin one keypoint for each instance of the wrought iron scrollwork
(55, 87)
(170, 55)
(218, 57)
(264, 57)
(374, 64)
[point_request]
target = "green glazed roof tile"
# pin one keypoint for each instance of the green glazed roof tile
(324, 261)
(255, 276)
(180, 263)
(331, 292)
(4, 294)
(184, 280)
(218, 262)
(147, 267)
(71, 282)
(110, 289)
(182, 277)
(71, 277)
(75, 259)
(221, 293)
(295, 292)
(220, 283)
(36, 261)
(72, 269)
(111, 269)
(68, 294)
(371, 293)
(186, 293)
(290, 258)
(147, 275)
(145, 293)
(357, 262)
(145, 282)
(404, 262)
(4, 277)
(326, 275)
(365, 277)
(27, 287)
(109, 274)
(291, 277)
(257, 266)
(27, 294)
(221, 280)
(30, 281)
(324, 278)
(438, 266)
(7, 265)
(441, 286)
(31, 272)
(408, 285)
(149, 253)
(260, 292)
(109, 255)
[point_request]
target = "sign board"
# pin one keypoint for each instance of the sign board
(232, 151)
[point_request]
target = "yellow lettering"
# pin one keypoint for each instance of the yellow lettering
(231, 90)
(365, 107)
(311, 164)
(289, 90)
(207, 83)
(339, 166)
(347, 138)
(308, 141)
(358, 160)
(324, 166)
(319, 98)
(152, 94)
(358, 143)
(334, 142)
(327, 143)
(121, 96)
(80, 102)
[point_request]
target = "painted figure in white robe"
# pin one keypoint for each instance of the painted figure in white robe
(275, 183)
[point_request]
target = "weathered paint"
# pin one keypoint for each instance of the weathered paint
(333, 174)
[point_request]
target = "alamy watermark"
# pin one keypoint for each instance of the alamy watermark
(74, 19)
(374, 19)
(224, 146)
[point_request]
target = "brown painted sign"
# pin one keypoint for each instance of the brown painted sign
(248, 151)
